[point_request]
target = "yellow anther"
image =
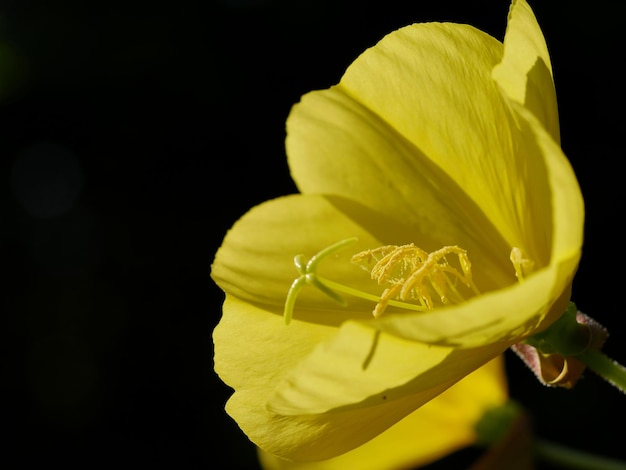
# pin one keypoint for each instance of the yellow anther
(412, 274)
(522, 264)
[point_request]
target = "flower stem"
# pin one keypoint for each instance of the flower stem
(605, 367)
(569, 458)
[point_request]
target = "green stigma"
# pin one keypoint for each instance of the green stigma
(310, 277)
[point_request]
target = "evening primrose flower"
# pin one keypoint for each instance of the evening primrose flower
(435, 165)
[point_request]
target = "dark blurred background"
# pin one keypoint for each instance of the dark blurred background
(133, 134)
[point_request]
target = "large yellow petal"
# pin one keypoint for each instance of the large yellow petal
(525, 73)
(441, 426)
(505, 316)
(417, 128)
(567, 209)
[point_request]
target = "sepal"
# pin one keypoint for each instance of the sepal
(551, 354)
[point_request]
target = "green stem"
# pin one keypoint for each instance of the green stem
(568, 458)
(605, 367)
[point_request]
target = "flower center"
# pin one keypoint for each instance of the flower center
(411, 274)
(413, 278)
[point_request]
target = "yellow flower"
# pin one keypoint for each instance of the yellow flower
(439, 152)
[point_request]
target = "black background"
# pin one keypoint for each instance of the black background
(133, 134)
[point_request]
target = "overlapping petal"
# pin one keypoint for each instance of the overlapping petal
(441, 426)
(525, 72)
(455, 120)
(254, 375)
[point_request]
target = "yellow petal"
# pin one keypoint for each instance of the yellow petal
(507, 315)
(525, 73)
(417, 128)
(443, 425)
(566, 201)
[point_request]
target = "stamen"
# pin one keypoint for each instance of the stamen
(522, 264)
(413, 274)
